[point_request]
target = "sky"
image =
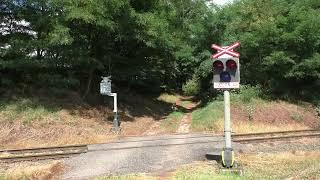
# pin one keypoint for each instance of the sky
(221, 2)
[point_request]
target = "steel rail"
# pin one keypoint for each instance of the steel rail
(67, 151)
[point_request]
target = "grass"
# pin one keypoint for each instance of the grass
(285, 165)
(282, 166)
(169, 98)
(127, 177)
(297, 117)
(171, 123)
(263, 166)
(207, 118)
(47, 171)
(2, 176)
(25, 110)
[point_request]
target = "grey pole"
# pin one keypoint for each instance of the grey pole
(227, 120)
(116, 127)
(227, 153)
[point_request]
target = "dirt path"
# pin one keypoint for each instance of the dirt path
(185, 124)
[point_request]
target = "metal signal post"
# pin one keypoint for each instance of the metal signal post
(226, 75)
(105, 89)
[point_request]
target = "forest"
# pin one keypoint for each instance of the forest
(53, 47)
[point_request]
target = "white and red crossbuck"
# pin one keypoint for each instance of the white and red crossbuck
(226, 50)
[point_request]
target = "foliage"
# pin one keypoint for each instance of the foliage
(206, 118)
(171, 123)
(26, 110)
(280, 45)
(247, 93)
(191, 88)
(151, 46)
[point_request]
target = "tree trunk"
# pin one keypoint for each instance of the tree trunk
(88, 88)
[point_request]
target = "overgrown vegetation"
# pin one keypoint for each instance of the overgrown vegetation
(171, 123)
(209, 117)
(252, 112)
(26, 110)
(206, 118)
(56, 46)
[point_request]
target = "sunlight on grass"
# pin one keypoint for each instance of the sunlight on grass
(262, 166)
(169, 98)
(301, 165)
(2, 176)
(201, 171)
(25, 110)
(207, 118)
(172, 122)
(256, 127)
(47, 171)
(282, 165)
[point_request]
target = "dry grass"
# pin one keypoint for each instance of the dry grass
(300, 165)
(169, 98)
(39, 172)
(256, 127)
(171, 123)
(65, 127)
(127, 177)
(262, 116)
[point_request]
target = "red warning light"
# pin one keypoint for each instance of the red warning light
(231, 64)
(218, 65)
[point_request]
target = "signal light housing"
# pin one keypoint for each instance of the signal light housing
(226, 74)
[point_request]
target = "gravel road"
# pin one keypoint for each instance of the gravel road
(155, 154)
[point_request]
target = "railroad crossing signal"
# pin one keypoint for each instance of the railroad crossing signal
(226, 67)
(226, 75)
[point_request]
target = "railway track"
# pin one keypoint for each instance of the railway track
(34, 154)
(275, 136)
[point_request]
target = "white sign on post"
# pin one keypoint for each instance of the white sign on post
(226, 85)
(105, 86)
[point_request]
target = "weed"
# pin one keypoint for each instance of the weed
(206, 118)
(250, 111)
(48, 171)
(127, 177)
(318, 110)
(297, 117)
(26, 110)
(172, 122)
(246, 94)
(169, 98)
(2, 176)
(192, 87)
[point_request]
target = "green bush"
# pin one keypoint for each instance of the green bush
(191, 88)
(247, 93)
(205, 118)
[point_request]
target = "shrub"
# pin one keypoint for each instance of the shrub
(191, 88)
(247, 93)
